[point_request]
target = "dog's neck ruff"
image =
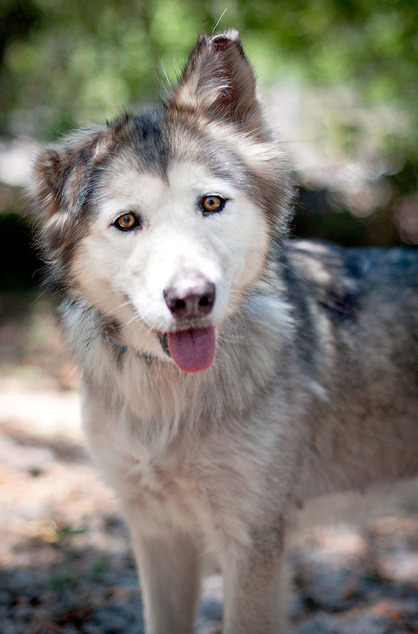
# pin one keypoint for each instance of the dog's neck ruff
(122, 349)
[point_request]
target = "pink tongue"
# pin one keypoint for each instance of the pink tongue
(192, 350)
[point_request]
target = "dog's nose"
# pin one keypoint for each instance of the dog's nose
(190, 295)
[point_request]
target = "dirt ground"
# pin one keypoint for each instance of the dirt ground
(65, 563)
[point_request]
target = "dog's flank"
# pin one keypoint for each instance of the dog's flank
(228, 374)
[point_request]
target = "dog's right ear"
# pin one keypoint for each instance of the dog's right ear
(50, 172)
(218, 82)
(62, 172)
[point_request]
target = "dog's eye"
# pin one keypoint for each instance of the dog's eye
(127, 221)
(211, 204)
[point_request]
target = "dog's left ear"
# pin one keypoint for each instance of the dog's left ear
(219, 83)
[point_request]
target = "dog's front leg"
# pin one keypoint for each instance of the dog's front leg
(252, 604)
(169, 577)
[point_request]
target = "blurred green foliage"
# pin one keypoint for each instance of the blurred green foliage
(64, 63)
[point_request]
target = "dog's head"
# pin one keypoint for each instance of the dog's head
(163, 221)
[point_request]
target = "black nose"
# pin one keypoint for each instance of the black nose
(190, 294)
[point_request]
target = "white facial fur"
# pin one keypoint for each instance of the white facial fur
(124, 274)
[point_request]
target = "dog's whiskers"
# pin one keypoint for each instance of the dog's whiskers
(125, 304)
(134, 318)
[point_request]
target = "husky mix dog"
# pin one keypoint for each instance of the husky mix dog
(228, 374)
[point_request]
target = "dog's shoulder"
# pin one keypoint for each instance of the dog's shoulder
(338, 278)
(327, 274)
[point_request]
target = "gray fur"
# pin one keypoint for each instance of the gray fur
(314, 384)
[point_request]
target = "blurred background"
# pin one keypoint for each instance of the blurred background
(339, 78)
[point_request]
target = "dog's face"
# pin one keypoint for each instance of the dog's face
(163, 221)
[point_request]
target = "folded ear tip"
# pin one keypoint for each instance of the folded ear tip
(221, 41)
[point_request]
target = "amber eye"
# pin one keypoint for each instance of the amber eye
(127, 221)
(212, 204)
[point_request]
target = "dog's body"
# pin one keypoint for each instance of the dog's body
(228, 374)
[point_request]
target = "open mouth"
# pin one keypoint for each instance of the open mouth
(192, 350)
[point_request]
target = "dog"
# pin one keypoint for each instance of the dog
(228, 373)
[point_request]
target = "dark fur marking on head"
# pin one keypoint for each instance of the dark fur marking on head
(151, 141)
